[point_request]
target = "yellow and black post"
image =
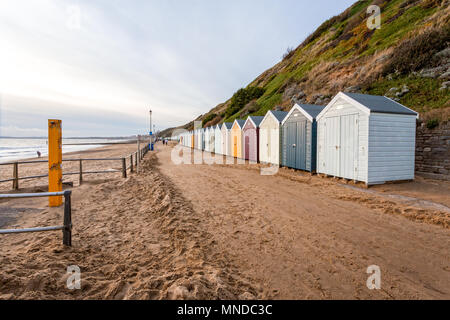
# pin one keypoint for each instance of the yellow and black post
(55, 161)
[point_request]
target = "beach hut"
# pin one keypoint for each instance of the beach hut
(366, 138)
(199, 139)
(270, 137)
(226, 138)
(203, 133)
(207, 140)
(218, 139)
(236, 138)
(251, 138)
(212, 139)
(299, 137)
(194, 139)
(188, 139)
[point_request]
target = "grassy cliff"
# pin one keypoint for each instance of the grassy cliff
(407, 59)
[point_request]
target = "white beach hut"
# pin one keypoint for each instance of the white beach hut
(200, 139)
(226, 138)
(366, 138)
(189, 136)
(182, 139)
(203, 139)
(212, 139)
(270, 137)
(207, 140)
(218, 139)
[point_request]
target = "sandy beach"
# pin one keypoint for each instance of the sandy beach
(226, 232)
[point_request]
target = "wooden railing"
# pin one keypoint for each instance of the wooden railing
(67, 223)
(133, 160)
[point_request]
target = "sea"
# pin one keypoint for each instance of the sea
(12, 149)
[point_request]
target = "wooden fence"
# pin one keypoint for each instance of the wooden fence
(67, 224)
(133, 160)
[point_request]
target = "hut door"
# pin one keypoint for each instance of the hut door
(263, 145)
(332, 139)
(291, 145)
(300, 157)
(224, 144)
(235, 146)
(349, 146)
(247, 147)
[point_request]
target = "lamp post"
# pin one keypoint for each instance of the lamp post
(151, 133)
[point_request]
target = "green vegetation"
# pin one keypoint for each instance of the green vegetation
(424, 94)
(267, 103)
(413, 54)
(432, 123)
(340, 52)
(208, 118)
(241, 98)
(390, 33)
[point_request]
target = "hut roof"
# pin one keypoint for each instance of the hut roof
(380, 104)
(256, 120)
(310, 111)
(240, 122)
(280, 115)
(228, 125)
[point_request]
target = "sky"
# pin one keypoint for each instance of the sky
(101, 65)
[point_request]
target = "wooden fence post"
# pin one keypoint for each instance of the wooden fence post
(131, 163)
(16, 176)
(124, 167)
(67, 231)
(139, 148)
(81, 172)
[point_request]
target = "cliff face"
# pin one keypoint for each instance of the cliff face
(407, 59)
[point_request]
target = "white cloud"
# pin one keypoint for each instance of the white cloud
(180, 58)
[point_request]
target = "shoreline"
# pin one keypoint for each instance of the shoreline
(97, 146)
(17, 152)
(33, 169)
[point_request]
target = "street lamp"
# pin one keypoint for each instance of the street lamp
(151, 133)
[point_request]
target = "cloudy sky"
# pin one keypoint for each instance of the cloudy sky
(100, 65)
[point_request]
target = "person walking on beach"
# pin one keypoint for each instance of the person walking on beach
(38, 154)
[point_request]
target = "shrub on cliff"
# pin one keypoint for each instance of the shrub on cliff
(415, 53)
(242, 97)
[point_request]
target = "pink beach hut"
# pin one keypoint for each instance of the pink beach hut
(251, 138)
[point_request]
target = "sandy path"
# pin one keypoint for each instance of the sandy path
(208, 232)
(302, 237)
(134, 238)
